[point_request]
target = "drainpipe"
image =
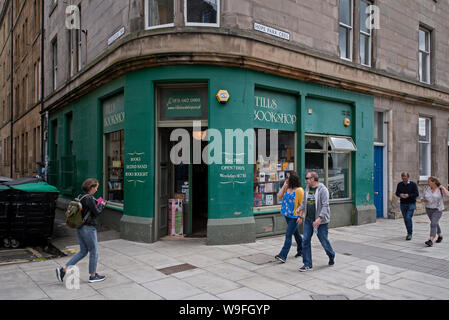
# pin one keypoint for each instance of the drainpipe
(11, 95)
(390, 160)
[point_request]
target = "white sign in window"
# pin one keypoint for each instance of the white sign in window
(342, 144)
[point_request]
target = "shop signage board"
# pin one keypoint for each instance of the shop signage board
(275, 110)
(137, 169)
(113, 114)
(181, 105)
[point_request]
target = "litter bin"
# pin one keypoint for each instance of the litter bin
(32, 205)
(4, 218)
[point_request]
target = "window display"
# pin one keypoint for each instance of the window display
(330, 162)
(271, 170)
(114, 152)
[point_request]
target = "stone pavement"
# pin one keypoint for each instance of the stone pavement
(176, 269)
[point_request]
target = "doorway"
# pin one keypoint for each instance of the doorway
(378, 181)
(185, 181)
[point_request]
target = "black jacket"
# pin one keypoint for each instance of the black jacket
(90, 205)
(411, 189)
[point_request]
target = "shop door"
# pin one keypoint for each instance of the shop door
(164, 181)
(378, 181)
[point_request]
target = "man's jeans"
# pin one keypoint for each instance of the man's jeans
(87, 237)
(292, 230)
(322, 236)
(407, 210)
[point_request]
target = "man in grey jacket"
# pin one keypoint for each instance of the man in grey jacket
(315, 213)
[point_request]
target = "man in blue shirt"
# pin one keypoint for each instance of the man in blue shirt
(407, 191)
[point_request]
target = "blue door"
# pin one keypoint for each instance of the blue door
(378, 181)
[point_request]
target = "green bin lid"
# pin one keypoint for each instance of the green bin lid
(3, 188)
(36, 187)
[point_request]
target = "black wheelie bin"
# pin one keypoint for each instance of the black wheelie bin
(32, 211)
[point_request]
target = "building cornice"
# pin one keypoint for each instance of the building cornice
(149, 49)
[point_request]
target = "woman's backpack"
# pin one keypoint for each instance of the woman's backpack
(73, 213)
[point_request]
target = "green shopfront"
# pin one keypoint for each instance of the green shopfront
(230, 158)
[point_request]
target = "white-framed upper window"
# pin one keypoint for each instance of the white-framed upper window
(202, 13)
(424, 148)
(159, 13)
(424, 55)
(346, 29)
(365, 35)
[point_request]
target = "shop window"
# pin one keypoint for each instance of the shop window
(114, 153)
(159, 13)
(271, 168)
(202, 12)
(330, 157)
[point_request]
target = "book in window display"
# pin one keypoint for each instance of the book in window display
(269, 187)
(269, 175)
(258, 200)
(281, 175)
(269, 199)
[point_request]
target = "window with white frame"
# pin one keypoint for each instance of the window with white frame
(365, 35)
(330, 158)
(346, 29)
(75, 45)
(159, 13)
(424, 148)
(424, 55)
(202, 13)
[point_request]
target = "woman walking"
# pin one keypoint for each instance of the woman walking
(433, 198)
(292, 195)
(87, 233)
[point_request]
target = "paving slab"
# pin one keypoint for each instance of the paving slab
(212, 283)
(244, 294)
(129, 291)
(172, 288)
(269, 286)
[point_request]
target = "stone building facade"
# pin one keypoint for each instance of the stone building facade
(402, 63)
(21, 87)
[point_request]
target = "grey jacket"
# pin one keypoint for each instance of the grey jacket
(321, 203)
